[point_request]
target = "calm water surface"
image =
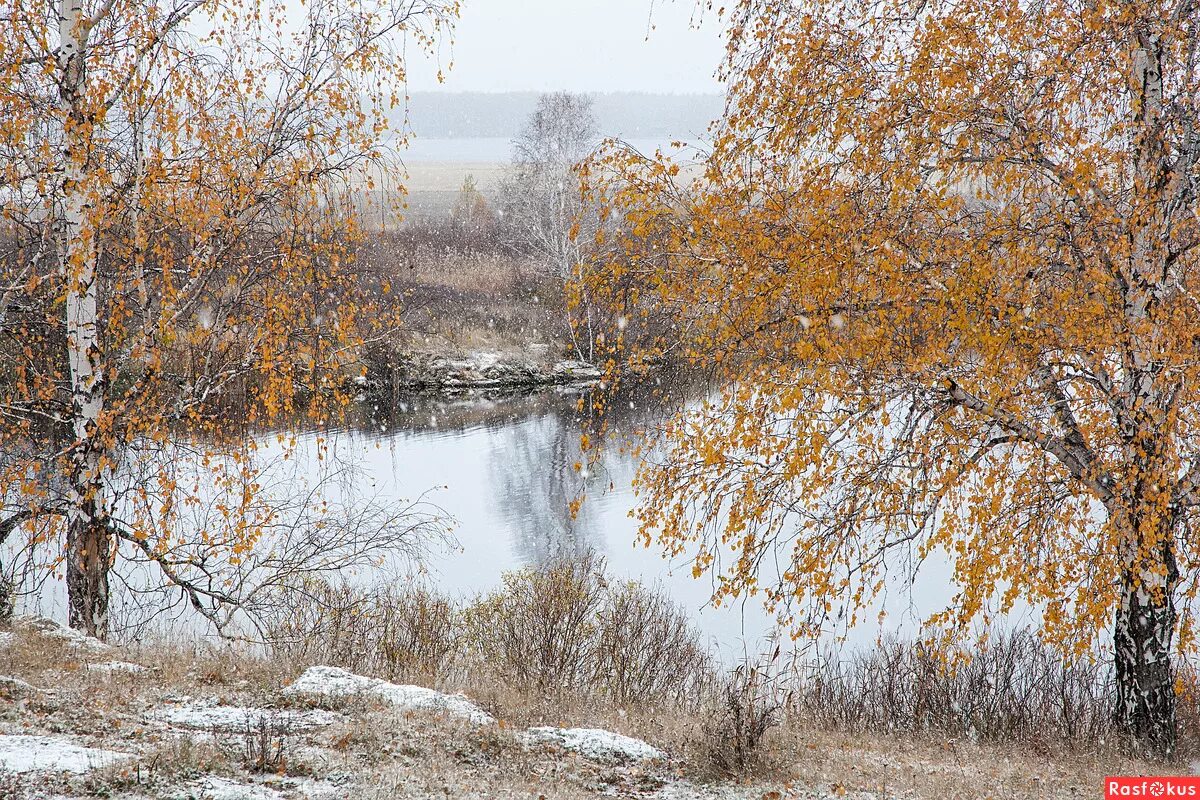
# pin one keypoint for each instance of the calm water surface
(504, 470)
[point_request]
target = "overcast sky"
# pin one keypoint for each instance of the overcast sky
(578, 45)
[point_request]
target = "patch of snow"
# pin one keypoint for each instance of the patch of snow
(577, 370)
(117, 666)
(686, 790)
(214, 788)
(7, 638)
(11, 685)
(481, 360)
(52, 754)
(335, 682)
(50, 629)
(211, 716)
(595, 743)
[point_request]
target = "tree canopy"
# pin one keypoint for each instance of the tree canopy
(940, 258)
(175, 247)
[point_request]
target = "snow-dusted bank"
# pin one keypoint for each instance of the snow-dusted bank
(78, 720)
(209, 715)
(595, 743)
(336, 682)
(24, 754)
(480, 370)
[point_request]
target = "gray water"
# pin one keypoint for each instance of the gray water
(505, 471)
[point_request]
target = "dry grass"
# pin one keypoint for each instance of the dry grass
(937, 767)
(382, 753)
(459, 290)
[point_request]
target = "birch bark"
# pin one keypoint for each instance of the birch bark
(88, 548)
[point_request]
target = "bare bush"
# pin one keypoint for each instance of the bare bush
(558, 629)
(322, 623)
(419, 633)
(648, 649)
(565, 628)
(263, 744)
(747, 704)
(407, 633)
(1011, 687)
(539, 629)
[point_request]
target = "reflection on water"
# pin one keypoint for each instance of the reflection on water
(534, 481)
(504, 468)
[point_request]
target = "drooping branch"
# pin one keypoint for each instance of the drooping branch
(10, 524)
(1097, 481)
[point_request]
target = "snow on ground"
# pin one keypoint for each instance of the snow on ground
(335, 682)
(577, 370)
(209, 715)
(16, 685)
(595, 743)
(52, 630)
(686, 790)
(482, 360)
(214, 788)
(117, 666)
(52, 754)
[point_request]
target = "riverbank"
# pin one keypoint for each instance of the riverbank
(81, 719)
(395, 373)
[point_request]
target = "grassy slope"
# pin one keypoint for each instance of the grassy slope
(378, 753)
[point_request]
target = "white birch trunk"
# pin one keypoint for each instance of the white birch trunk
(88, 546)
(1144, 624)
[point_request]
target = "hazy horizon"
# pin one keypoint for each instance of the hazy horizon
(626, 114)
(581, 46)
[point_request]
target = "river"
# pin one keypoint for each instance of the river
(502, 468)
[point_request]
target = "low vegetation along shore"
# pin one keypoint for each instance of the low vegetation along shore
(561, 683)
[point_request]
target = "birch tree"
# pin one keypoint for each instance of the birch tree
(171, 183)
(942, 259)
(544, 213)
(541, 199)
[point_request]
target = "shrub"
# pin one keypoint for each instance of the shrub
(561, 628)
(1009, 686)
(405, 633)
(540, 628)
(419, 633)
(748, 703)
(263, 743)
(647, 648)
(320, 623)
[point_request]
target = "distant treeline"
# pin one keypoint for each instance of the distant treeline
(501, 114)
